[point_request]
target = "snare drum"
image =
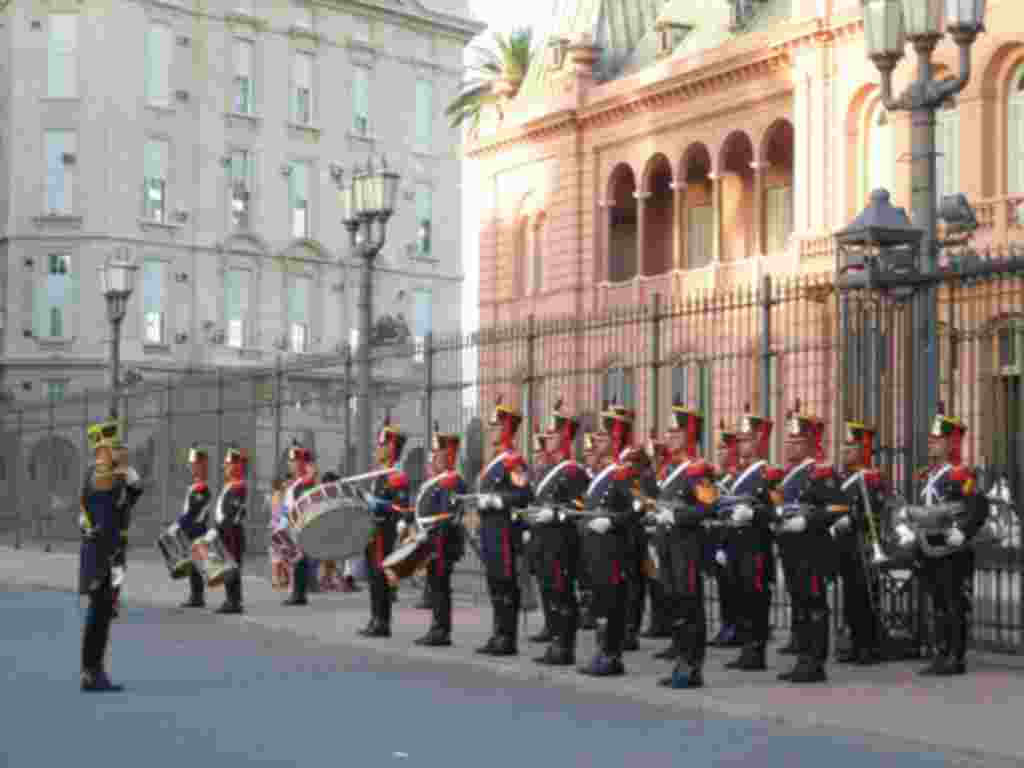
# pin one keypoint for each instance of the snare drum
(407, 559)
(176, 549)
(284, 547)
(213, 561)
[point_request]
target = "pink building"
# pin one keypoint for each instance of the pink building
(687, 149)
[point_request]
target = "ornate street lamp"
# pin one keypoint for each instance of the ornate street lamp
(117, 281)
(888, 24)
(367, 203)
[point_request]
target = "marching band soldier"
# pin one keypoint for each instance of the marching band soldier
(949, 578)
(752, 539)
(102, 522)
(388, 501)
(593, 462)
(445, 537)
(813, 558)
(690, 492)
(300, 462)
(609, 545)
(720, 555)
(801, 447)
(660, 625)
(852, 533)
(229, 525)
(557, 537)
(193, 519)
(504, 487)
(545, 451)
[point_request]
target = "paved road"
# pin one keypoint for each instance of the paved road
(205, 690)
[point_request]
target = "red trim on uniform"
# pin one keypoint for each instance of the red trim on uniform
(398, 480)
(440, 553)
(559, 579)
(691, 575)
(380, 551)
(616, 573)
(823, 472)
(814, 584)
(759, 573)
(506, 551)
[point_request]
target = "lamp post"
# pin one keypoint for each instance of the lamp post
(888, 25)
(367, 203)
(117, 281)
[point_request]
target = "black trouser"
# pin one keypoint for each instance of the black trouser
(439, 577)
(380, 590)
(96, 632)
(300, 579)
(858, 609)
(660, 609)
(637, 604)
(756, 601)
(797, 612)
(196, 585)
(689, 629)
(233, 586)
(949, 581)
(614, 602)
(505, 602)
(730, 595)
(810, 590)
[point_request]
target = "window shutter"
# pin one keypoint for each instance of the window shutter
(74, 296)
(361, 97)
(243, 58)
(158, 63)
(298, 301)
(1015, 142)
(62, 69)
(705, 404)
(424, 111)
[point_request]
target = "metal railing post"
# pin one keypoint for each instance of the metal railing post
(349, 469)
(220, 427)
(277, 387)
(19, 452)
(531, 390)
(428, 394)
(766, 345)
(654, 388)
(168, 463)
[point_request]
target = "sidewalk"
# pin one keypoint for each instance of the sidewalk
(976, 715)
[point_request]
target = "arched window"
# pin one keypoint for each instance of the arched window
(1015, 133)
(879, 153)
(947, 147)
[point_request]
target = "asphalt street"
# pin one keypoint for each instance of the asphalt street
(206, 690)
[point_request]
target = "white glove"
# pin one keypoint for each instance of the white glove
(600, 525)
(211, 536)
(638, 506)
(546, 515)
(83, 522)
(742, 514)
(721, 558)
(665, 516)
(906, 536)
(842, 525)
(955, 537)
(526, 537)
(173, 529)
(402, 527)
(796, 524)
(131, 476)
(117, 576)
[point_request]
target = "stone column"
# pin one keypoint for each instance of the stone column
(759, 208)
(716, 216)
(641, 230)
(678, 224)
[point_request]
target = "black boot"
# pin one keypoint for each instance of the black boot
(544, 636)
(683, 677)
(196, 597)
(751, 659)
(436, 637)
(557, 655)
(603, 665)
(96, 681)
(375, 628)
(630, 642)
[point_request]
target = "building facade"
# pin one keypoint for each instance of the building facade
(678, 151)
(209, 139)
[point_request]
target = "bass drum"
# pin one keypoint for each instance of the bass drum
(175, 547)
(407, 559)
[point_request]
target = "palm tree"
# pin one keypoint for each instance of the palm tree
(497, 74)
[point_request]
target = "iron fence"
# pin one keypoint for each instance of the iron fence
(764, 347)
